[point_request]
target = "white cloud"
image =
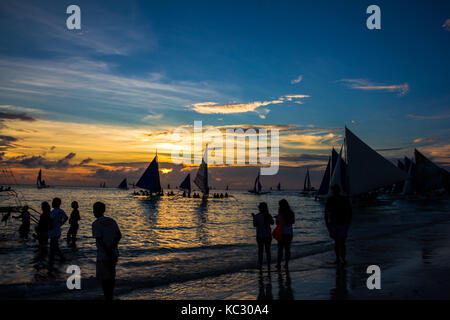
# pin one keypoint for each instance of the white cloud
(363, 84)
(297, 80)
(231, 108)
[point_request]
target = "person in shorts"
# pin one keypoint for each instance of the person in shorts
(107, 235)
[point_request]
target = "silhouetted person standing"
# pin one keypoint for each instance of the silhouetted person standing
(107, 234)
(42, 227)
(24, 228)
(57, 218)
(262, 222)
(6, 216)
(73, 221)
(287, 218)
(338, 215)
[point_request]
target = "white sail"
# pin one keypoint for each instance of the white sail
(367, 170)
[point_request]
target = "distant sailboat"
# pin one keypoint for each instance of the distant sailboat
(186, 184)
(201, 179)
(279, 186)
(40, 183)
(307, 184)
(150, 178)
(257, 186)
(123, 185)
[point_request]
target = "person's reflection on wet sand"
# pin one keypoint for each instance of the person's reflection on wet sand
(284, 286)
(265, 287)
(340, 291)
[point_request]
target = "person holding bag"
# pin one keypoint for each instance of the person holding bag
(283, 232)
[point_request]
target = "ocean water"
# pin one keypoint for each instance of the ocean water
(176, 239)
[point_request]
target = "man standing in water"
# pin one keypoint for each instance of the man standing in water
(338, 215)
(107, 234)
(57, 218)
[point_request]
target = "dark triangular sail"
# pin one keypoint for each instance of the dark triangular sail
(186, 184)
(150, 178)
(324, 185)
(201, 180)
(39, 178)
(367, 170)
(123, 184)
(400, 185)
(428, 175)
(307, 182)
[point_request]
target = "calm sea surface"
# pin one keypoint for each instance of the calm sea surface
(176, 239)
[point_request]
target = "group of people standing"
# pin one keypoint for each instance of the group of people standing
(283, 233)
(104, 229)
(49, 227)
(338, 215)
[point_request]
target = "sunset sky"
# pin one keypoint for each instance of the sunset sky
(94, 104)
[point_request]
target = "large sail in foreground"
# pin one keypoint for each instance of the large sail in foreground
(201, 180)
(368, 170)
(186, 184)
(150, 178)
(428, 175)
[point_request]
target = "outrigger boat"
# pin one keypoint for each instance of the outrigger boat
(150, 182)
(257, 186)
(361, 173)
(201, 179)
(40, 183)
(307, 188)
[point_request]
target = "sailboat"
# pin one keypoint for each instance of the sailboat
(150, 179)
(186, 184)
(123, 185)
(325, 183)
(364, 170)
(257, 186)
(428, 177)
(40, 184)
(279, 186)
(201, 179)
(307, 189)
